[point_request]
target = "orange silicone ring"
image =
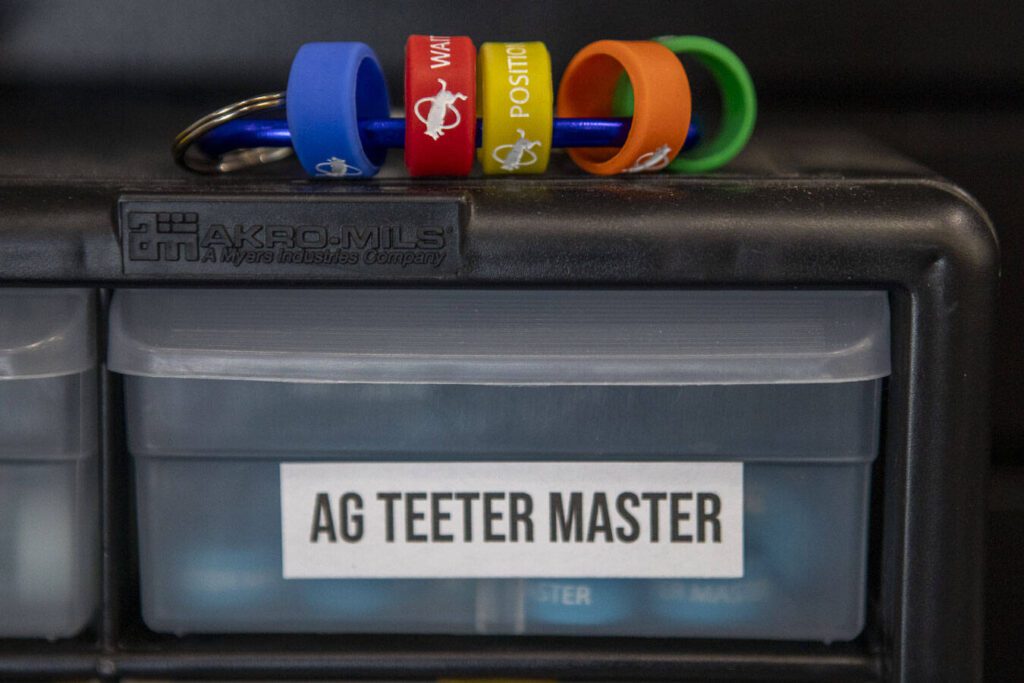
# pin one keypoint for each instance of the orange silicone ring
(661, 112)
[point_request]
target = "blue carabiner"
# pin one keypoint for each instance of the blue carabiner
(386, 132)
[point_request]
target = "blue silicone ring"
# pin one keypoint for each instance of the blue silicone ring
(578, 602)
(331, 87)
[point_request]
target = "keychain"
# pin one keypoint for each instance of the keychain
(338, 122)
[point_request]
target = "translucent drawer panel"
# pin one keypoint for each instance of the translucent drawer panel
(49, 546)
(49, 483)
(211, 563)
(223, 387)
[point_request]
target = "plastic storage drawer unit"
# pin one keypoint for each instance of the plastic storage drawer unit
(637, 462)
(49, 487)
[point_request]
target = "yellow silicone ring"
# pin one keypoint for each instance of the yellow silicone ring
(515, 97)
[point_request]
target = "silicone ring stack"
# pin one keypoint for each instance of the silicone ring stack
(440, 105)
(739, 103)
(578, 602)
(725, 603)
(516, 93)
(331, 86)
(661, 114)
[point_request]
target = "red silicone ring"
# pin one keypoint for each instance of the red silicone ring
(440, 105)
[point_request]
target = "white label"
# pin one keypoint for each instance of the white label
(512, 519)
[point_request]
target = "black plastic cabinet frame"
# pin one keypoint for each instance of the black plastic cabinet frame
(887, 225)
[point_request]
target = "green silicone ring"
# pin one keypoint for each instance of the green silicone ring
(739, 103)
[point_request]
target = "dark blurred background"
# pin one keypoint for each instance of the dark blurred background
(941, 81)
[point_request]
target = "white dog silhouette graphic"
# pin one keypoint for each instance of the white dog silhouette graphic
(440, 104)
(520, 153)
(336, 168)
(651, 161)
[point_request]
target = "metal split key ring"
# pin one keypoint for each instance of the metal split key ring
(189, 156)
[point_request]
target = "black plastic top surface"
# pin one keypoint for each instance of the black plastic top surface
(800, 206)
